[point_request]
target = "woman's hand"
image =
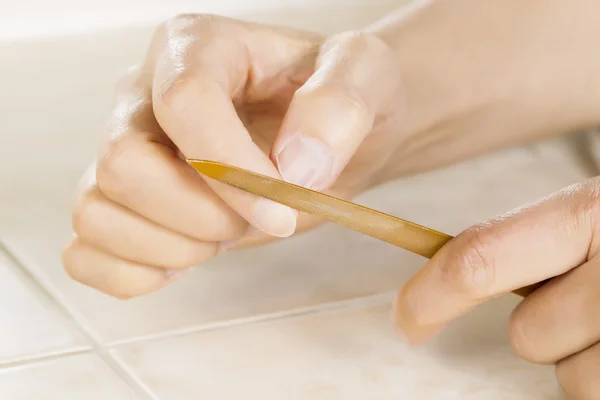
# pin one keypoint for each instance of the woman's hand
(431, 86)
(279, 102)
(558, 238)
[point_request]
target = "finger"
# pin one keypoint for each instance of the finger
(560, 318)
(522, 248)
(139, 168)
(151, 180)
(124, 234)
(201, 70)
(332, 113)
(578, 374)
(111, 275)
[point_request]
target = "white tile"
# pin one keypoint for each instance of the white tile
(72, 378)
(346, 354)
(30, 324)
(339, 265)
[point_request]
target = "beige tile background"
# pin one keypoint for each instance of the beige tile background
(344, 354)
(32, 325)
(280, 322)
(271, 323)
(69, 378)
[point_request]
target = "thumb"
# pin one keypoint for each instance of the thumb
(525, 247)
(331, 114)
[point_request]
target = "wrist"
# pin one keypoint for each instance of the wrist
(476, 80)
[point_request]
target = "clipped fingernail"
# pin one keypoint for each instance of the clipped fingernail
(228, 244)
(174, 274)
(274, 219)
(305, 162)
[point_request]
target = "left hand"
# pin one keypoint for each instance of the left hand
(557, 238)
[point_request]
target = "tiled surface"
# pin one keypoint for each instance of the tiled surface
(338, 354)
(30, 324)
(207, 326)
(271, 323)
(70, 378)
(347, 354)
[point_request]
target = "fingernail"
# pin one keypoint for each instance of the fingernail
(305, 162)
(228, 244)
(174, 274)
(274, 218)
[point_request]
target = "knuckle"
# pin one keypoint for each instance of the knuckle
(577, 382)
(354, 99)
(173, 93)
(472, 269)
(114, 175)
(345, 97)
(360, 41)
(355, 62)
(83, 212)
(190, 45)
(521, 340)
(70, 259)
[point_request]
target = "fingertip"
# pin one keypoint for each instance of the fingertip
(407, 327)
(274, 219)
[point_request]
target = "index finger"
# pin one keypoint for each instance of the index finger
(202, 67)
(524, 247)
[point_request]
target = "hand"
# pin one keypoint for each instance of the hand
(559, 322)
(225, 90)
(338, 114)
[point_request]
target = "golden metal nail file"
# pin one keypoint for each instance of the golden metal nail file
(408, 235)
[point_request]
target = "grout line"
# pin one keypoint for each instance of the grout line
(135, 379)
(351, 304)
(123, 371)
(41, 357)
(132, 381)
(127, 375)
(44, 285)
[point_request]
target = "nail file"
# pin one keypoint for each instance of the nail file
(397, 231)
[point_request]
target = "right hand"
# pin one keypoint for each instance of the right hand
(215, 88)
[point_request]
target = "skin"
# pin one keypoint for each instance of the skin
(444, 81)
